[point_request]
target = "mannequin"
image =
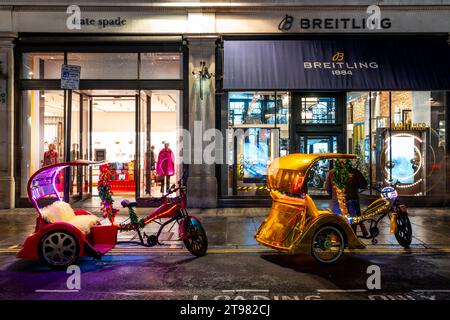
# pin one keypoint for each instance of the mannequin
(50, 156)
(165, 166)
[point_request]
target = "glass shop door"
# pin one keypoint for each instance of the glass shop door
(318, 174)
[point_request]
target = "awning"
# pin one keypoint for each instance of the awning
(343, 64)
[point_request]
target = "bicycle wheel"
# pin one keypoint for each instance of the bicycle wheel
(404, 231)
(194, 237)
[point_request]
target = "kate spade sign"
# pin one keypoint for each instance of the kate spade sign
(75, 21)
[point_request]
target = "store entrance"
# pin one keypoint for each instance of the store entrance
(318, 128)
(128, 129)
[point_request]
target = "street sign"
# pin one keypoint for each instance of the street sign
(70, 77)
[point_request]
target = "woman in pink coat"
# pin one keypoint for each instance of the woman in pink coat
(165, 166)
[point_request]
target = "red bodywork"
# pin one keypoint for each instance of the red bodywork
(41, 185)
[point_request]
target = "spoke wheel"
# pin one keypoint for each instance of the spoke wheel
(59, 249)
(404, 231)
(327, 244)
(195, 238)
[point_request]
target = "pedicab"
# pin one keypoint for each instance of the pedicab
(63, 234)
(295, 225)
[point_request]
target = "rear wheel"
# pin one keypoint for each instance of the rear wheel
(59, 249)
(194, 237)
(328, 244)
(404, 231)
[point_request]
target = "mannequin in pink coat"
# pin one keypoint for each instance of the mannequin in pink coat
(165, 166)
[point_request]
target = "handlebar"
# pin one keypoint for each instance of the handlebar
(173, 188)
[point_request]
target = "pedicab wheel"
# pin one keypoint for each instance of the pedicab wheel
(59, 249)
(327, 244)
(404, 231)
(195, 238)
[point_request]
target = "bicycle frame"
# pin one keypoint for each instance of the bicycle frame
(172, 208)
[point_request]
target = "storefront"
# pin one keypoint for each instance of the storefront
(337, 94)
(129, 103)
(272, 80)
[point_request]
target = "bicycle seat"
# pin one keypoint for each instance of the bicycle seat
(127, 204)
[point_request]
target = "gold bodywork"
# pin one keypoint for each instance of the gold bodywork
(294, 218)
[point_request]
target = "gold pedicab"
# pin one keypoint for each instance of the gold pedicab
(295, 225)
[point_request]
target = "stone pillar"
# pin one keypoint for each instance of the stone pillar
(202, 182)
(7, 185)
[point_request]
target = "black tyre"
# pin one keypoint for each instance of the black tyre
(404, 231)
(194, 237)
(327, 244)
(59, 249)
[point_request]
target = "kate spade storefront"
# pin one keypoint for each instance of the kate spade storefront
(383, 98)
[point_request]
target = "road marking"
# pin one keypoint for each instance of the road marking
(341, 290)
(149, 291)
(246, 290)
(426, 290)
(131, 292)
(56, 291)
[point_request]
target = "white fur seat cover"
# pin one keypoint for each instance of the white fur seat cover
(60, 211)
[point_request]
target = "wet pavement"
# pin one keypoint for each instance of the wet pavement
(235, 227)
(236, 267)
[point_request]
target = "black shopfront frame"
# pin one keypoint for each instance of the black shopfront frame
(222, 116)
(94, 43)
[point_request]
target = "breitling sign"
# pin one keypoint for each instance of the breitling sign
(372, 21)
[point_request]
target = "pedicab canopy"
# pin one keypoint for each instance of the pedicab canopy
(42, 183)
(288, 174)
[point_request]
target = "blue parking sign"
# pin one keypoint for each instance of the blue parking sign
(70, 77)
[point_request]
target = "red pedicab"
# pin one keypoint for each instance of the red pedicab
(63, 234)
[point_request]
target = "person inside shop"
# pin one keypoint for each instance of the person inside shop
(165, 167)
(351, 180)
(152, 157)
(50, 156)
(150, 171)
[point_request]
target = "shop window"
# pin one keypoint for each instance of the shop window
(400, 135)
(106, 65)
(318, 110)
(44, 65)
(157, 65)
(318, 174)
(358, 124)
(258, 132)
(247, 108)
(160, 117)
(42, 134)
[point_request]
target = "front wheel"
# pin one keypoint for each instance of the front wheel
(194, 237)
(328, 244)
(404, 231)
